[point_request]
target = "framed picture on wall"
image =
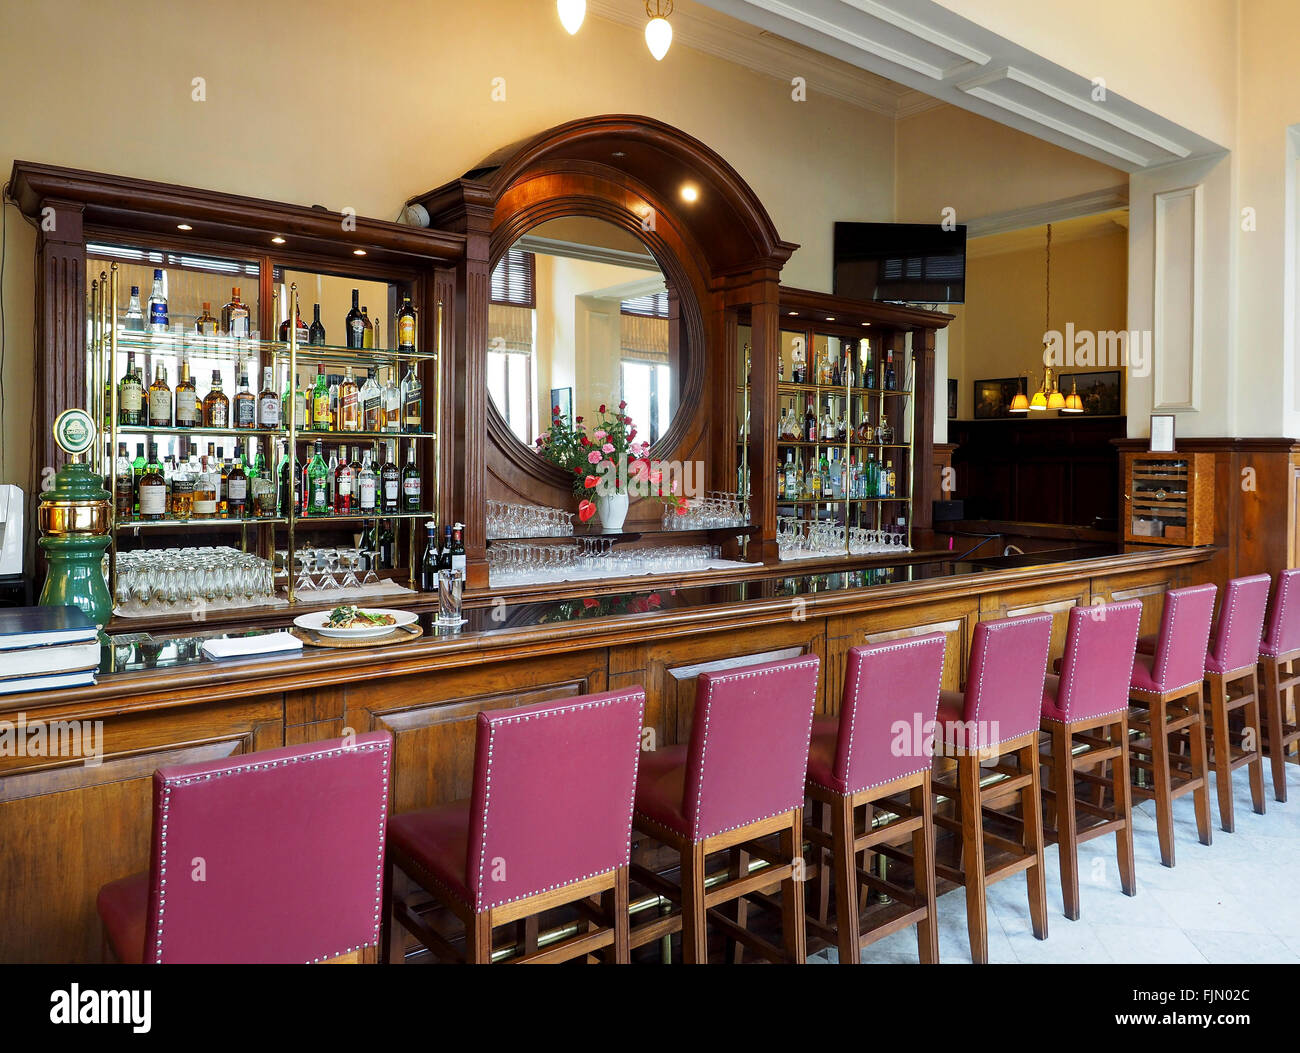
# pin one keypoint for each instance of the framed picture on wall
(952, 400)
(993, 397)
(1101, 392)
(563, 399)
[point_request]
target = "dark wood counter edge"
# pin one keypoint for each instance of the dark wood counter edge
(209, 682)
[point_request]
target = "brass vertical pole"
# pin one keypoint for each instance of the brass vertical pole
(110, 373)
(290, 512)
(744, 452)
(848, 445)
(437, 413)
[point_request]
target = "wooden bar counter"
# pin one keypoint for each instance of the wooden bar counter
(68, 827)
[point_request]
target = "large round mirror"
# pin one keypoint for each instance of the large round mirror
(582, 317)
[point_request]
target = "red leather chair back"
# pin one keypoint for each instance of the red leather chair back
(887, 684)
(1008, 666)
(1098, 661)
(748, 756)
(272, 857)
(1179, 660)
(1241, 624)
(552, 799)
(1282, 633)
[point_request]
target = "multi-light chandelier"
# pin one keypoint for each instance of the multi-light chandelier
(658, 30)
(1049, 396)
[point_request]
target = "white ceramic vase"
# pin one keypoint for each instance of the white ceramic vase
(612, 509)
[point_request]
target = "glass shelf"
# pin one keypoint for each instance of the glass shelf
(840, 500)
(582, 530)
(337, 436)
(203, 521)
(306, 520)
(785, 388)
(837, 444)
(275, 433)
(196, 345)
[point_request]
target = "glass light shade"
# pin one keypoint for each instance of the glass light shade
(572, 12)
(658, 37)
(1073, 404)
(1056, 400)
(1020, 404)
(1040, 401)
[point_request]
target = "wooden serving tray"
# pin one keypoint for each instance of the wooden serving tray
(401, 635)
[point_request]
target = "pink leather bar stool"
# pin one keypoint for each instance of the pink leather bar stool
(549, 824)
(741, 779)
(858, 760)
(1279, 655)
(275, 857)
(1231, 672)
(1087, 705)
(997, 718)
(1166, 698)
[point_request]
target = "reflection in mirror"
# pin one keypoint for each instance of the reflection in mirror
(582, 316)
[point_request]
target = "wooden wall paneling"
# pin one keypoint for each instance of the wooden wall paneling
(1148, 586)
(1056, 599)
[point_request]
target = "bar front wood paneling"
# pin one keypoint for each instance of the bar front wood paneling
(69, 827)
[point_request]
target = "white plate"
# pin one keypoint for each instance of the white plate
(316, 622)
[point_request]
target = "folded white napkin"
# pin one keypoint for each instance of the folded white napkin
(267, 643)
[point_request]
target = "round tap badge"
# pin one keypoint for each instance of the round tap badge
(74, 431)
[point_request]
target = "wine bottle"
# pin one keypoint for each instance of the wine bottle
(354, 324)
(316, 334)
(410, 482)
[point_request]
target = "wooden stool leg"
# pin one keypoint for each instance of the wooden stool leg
(821, 892)
(972, 848)
(1274, 711)
(1254, 727)
(847, 925)
(478, 939)
(1031, 798)
(695, 941)
(1160, 776)
(1201, 767)
(734, 950)
(622, 922)
(927, 930)
(1067, 834)
(794, 931)
(1218, 703)
(1119, 776)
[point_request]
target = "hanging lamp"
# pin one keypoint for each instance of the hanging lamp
(658, 31)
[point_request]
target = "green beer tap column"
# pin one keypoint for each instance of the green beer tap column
(75, 525)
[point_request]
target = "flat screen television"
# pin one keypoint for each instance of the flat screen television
(900, 262)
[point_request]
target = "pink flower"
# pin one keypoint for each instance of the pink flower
(593, 457)
(600, 433)
(608, 447)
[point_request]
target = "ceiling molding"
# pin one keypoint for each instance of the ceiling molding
(1089, 204)
(1034, 239)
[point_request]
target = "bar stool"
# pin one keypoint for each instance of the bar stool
(890, 689)
(741, 779)
(1087, 704)
(997, 716)
(277, 857)
(1279, 653)
(1166, 698)
(549, 824)
(1231, 672)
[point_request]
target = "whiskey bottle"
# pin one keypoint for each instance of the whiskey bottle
(349, 404)
(391, 400)
(316, 334)
(123, 484)
(206, 323)
(182, 502)
(268, 403)
(236, 490)
(235, 317)
(412, 400)
(392, 482)
(153, 488)
(216, 407)
(157, 305)
(130, 398)
(410, 481)
(160, 399)
(371, 399)
(406, 325)
(320, 402)
(354, 324)
(205, 489)
(187, 399)
(245, 402)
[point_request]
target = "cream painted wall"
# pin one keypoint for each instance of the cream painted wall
(316, 103)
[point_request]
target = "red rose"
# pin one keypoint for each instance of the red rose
(555, 410)
(578, 419)
(631, 435)
(622, 405)
(584, 440)
(602, 408)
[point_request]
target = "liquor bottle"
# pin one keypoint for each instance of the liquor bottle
(791, 486)
(814, 483)
(236, 490)
(809, 424)
(331, 485)
(798, 366)
(268, 402)
(182, 501)
(206, 323)
(827, 427)
(289, 496)
(837, 378)
(444, 554)
(221, 468)
(410, 481)
(780, 368)
(294, 397)
(824, 469)
(133, 322)
(367, 487)
(873, 476)
(187, 413)
(391, 401)
(349, 418)
(320, 402)
(354, 324)
(412, 400)
(865, 353)
(367, 330)
(160, 398)
(137, 472)
(406, 325)
(317, 488)
(890, 481)
(390, 482)
(371, 399)
(385, 545)
(205, 489)
(153, 488)
(316, 334)
(157, 305)
(123, 484)
(216, 407)
(235, 317)
(891, 381)
(334, 400)
(458, 548)
(130, 397)
(245, 401)
(345, 487)
(429, 563)
(303, 335)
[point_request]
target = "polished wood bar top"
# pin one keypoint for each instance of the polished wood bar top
(163, 670)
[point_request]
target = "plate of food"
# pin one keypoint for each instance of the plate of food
(355, 623)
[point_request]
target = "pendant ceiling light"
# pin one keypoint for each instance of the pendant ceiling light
(1073, 404)
(658, 32)
(1047, 397)
(572, 12)
(1020, 404)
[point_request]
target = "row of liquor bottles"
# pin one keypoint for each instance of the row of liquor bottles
(334, 403)
(832, 428)
(841, 369)
(180, 486)
(832, 478)
(236, 319)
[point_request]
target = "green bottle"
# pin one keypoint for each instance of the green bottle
(317, 484)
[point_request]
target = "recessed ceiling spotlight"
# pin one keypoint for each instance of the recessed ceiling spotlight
(866, 323)
(830, 318)
(358, 252)
(183, 226)
(277, 240)
(690, 193)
